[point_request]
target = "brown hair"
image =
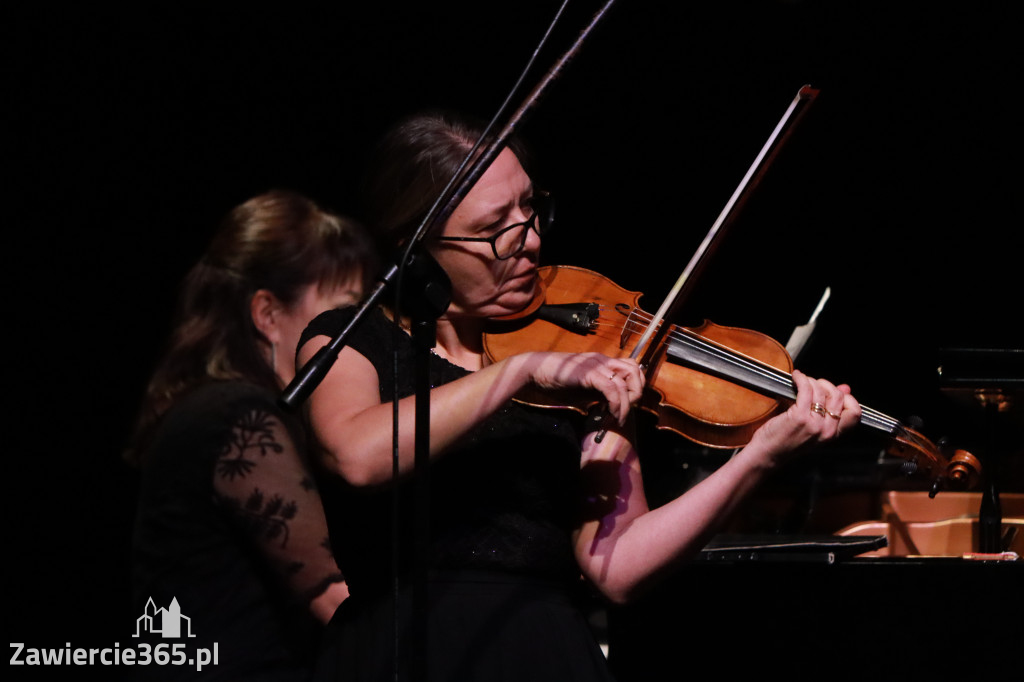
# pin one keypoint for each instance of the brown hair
(279, 241)
(411, 165)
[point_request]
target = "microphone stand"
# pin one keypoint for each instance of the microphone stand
(427, 295)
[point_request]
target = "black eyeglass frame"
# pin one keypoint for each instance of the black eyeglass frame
(539, 225)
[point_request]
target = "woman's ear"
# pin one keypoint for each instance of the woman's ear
(265, 309)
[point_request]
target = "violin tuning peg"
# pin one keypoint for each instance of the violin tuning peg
(915, 422)
(944, 446)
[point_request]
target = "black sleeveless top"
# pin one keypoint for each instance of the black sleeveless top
(502, 499)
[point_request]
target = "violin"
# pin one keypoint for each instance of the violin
(712, 384)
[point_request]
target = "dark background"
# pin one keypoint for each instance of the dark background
(134, 131)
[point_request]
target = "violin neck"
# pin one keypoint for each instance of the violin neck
(695, 351)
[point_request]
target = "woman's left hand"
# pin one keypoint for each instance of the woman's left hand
(821, 412)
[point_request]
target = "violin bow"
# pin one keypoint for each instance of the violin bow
(794, 112)
(652, 337)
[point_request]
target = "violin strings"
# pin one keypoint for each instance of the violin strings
(638, 321)
(783, 381)
(739, 360)
(869, 416)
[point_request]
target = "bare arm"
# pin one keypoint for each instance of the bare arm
(327, 602)
(622, 545)
(355, 427)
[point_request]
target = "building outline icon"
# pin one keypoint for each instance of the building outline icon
(165, 621)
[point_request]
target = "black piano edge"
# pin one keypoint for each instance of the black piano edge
(827, 549)
(811, 548)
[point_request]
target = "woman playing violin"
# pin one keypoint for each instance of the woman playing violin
(521, 504)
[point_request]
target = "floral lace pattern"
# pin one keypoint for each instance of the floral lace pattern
(263, 481)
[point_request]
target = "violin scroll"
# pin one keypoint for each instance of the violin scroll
(960, 471)
(964, 469)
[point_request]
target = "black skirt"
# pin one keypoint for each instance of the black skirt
(476, 626)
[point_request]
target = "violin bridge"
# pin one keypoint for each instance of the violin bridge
(631, 327)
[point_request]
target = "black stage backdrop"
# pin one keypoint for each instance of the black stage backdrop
(135, 130)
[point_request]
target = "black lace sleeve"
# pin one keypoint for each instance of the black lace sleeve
(263, 480)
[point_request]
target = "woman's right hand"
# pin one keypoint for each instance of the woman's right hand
(619, 380)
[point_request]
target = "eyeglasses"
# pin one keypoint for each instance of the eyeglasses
(511, 240)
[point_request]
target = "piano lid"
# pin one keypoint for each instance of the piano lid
(987, 377)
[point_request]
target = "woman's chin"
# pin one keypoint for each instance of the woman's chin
(520, 301)
(508, 306)
(516, 299)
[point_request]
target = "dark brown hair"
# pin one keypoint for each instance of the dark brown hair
(279, 241)
(411, 166)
